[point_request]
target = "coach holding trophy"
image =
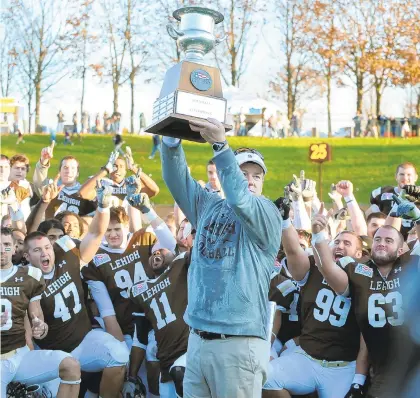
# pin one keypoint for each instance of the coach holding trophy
(237, 240)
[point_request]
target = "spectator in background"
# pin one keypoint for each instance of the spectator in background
(357, 124)
(156, 145)
(382, 124)
(142, 123)
(60, 122)
(294, 124)
(116, 118)
(106, 122)
(393, 126)
(242, 124)
(414, 122)
(405, 129)
(74, 120)
(85, 122)
(98, 126)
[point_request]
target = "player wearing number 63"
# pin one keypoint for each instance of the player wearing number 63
(376, 290)
(63, 301)
(330, 339)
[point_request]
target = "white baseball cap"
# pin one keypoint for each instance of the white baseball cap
(248, 155)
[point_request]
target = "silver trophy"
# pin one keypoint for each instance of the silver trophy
(191, 89)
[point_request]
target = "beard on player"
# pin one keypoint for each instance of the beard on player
(160, 260)
(381, 257)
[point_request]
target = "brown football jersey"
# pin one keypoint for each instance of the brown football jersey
(69, 200)
(119, 190)
(379, 307)
(285, 293)
(24, 284)
(163, 302)
(63, 301)
(119, 269)
(329, 328)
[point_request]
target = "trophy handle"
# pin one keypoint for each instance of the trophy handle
(173, 32)
(218, 41)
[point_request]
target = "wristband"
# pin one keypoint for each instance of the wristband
(103, 209)
(349, 198)
(319, 237)
(286, 224)
(359, 379)
(290, 344)
(151, 215)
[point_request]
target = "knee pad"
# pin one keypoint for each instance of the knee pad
(177, 375)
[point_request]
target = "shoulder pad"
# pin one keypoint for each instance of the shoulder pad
(66, 243)
(376, 192)
(34, 272)
(343, 262)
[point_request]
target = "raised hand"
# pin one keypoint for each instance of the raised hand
(129, 159)
(283, 204)
(133, 184)
(103, 195)
(211, 130)
(8, 196)
(411, 192)
(345, 188)
(47, 153)
(308, 187)
(111, 161)
(334, 194)
(319, 222)
(296, 188)
(51, 190)
(39, 328)
(406, 209)
(140, 201)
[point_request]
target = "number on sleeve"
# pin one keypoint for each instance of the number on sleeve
(293, 315)
(6, 305)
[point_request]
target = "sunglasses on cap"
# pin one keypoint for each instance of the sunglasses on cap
(248, 150)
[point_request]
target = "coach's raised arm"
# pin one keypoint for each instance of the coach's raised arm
(236, 243)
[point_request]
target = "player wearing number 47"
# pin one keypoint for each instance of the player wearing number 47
(63, 301)
(377, 289)
(330, 340)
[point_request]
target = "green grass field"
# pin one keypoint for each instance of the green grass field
(367, 162)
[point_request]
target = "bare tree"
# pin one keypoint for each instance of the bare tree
(324, 39)
(296, 78)
(38, 32)
(80, 41)
(235, 53)
(7, 64)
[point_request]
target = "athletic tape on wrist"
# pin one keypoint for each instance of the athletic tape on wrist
(349, 198)
(286, 224)
(151, 215)
(319, 237)
(359, 379)
(71, 382)
(103, 209)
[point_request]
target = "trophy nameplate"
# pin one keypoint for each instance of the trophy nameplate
(191, 90)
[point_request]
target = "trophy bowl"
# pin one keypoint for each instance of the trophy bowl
(191, 89)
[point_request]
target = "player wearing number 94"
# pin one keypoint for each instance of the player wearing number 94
(63, 303)
(376, 289)
(330, 339)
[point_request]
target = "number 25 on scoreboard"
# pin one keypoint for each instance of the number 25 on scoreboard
(319, 153)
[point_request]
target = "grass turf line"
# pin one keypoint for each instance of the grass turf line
(367, 162)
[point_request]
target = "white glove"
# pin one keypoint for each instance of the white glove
(111, 160)
(129, 389)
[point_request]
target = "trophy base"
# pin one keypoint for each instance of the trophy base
(177, 125)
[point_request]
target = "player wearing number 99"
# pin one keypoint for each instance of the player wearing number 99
(63, 303)
(330, 338)
(376, 290)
